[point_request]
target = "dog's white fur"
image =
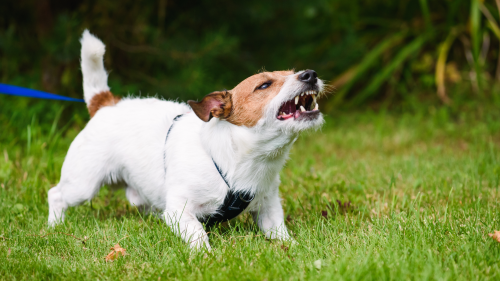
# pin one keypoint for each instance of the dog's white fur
(125, 143)
(95, 78)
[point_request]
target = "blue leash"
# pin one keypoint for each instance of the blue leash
(25, 92)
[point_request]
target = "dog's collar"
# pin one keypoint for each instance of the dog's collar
(234, 203)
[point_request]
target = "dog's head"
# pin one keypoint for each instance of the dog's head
(283, 99)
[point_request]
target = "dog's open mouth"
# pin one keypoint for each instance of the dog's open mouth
(302, 106)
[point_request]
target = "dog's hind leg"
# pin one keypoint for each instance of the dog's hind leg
(56, 206)
(69, 192)
(136, 200)
(133, 197)
(82, 176)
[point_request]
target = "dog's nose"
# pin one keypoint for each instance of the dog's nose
(309, 76)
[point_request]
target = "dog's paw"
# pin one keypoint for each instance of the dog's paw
(54, 221)
(200, 246)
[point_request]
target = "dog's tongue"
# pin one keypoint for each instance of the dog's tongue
(297, 114)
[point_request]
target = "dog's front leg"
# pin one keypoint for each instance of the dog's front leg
(268, 214)
(187, 226)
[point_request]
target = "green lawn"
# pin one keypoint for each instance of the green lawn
(423, 189)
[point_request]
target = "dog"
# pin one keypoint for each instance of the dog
(205, 161)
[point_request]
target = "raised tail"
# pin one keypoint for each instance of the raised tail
(95, 79)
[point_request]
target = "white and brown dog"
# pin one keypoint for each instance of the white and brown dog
(187, 160)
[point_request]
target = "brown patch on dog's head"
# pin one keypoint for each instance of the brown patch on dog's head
(250, 100)
(215, 104)
(101, 100)
(246, 102)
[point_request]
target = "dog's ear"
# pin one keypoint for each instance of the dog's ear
(215, 104)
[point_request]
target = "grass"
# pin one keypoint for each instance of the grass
(419, 193)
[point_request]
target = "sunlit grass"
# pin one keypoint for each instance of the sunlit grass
(423, 193)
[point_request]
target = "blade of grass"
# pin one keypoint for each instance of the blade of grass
(444, 48)
(383, 75)
(475, 30)
(492, 24)
(345, 77)
(498, 5)
(497, 73)
(470, 59)
(426, 13)
(54, 123)
(475, 21)
(485, 47)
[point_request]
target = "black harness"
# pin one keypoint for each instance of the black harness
(234, 203)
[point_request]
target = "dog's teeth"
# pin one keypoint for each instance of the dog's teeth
(316, 107)
(302, 109)
(296, 100)
(314, 103)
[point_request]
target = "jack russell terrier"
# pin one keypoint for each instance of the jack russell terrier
(201, 163)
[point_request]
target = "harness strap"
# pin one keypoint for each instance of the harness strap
(166, 138)
(234, 203)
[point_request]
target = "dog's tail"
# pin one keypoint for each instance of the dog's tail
(95, 79)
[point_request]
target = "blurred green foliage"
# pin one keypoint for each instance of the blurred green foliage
(369, 50)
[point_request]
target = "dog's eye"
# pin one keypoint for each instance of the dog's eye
(264, 86)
